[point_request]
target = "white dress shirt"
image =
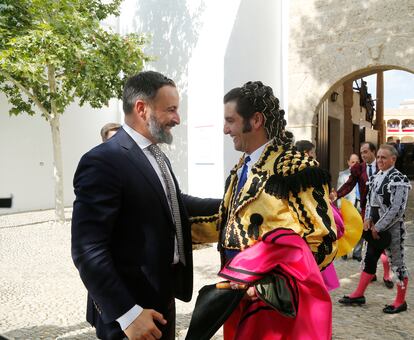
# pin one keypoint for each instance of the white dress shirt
(254, 157)
(126, 319)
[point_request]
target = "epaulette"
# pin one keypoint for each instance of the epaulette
(398, 179)
(294, 172)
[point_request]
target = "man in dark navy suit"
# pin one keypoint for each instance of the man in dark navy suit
(131, 239)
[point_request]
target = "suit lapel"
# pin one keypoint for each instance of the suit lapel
(141, 162)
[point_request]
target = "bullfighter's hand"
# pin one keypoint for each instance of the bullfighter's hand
(251, 294)
(367, 224)
(374, 232)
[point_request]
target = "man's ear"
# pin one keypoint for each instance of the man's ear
(141, 108)
(258, 120)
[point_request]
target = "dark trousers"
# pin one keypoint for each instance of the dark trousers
(371, 258)
(357, 252)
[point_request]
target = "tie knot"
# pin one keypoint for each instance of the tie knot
(246, 160)
(155, 150)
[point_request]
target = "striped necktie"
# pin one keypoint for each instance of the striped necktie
(172, 197)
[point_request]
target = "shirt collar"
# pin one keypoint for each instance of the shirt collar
(142, 141)
(255, 155)
(385, 172)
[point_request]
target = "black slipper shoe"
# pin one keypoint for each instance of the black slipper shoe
(390, 309)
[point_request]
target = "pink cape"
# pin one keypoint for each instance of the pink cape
(281, 251)
(329, 273)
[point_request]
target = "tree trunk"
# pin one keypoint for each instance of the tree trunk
(57, 169)
(53, 119)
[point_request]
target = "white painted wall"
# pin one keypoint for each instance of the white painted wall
(254, 52)
(26, 155)
(207, 47)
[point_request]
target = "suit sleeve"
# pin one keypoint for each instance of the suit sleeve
(203, 213)
(349, 185)
(98, 200)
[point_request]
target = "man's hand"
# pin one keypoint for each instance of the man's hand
(333, 195)
(250, 291)
(251, 294)
(367, 224)
(143, 327)
(374, 232)
(234, 285)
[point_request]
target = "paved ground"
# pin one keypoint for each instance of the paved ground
(42, 297)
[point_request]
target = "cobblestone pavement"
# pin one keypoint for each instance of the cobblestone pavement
(42, 297)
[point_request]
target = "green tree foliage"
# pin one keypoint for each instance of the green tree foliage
(55, 51)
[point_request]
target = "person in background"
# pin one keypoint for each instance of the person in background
(108, 130)
(306, 146)
(353, 197)
(399, 164)
(361, 173)
(384, 214)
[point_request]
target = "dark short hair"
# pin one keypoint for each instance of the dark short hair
(371, 146)
(304, 145)
(109, 127)
(244, 107)
(254, 97)
(145, 86)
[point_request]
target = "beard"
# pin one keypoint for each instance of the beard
(158, 132)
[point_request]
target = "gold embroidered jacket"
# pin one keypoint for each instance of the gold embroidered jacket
(285, 189)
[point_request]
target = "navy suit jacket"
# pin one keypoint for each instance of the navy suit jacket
(123, 233)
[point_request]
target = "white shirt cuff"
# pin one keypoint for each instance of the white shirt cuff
(126, 319)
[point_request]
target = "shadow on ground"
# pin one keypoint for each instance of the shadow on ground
(81, 331)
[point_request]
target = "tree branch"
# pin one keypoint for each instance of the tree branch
(27, 92)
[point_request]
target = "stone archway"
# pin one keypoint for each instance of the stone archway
(331, 44)
(349, 138)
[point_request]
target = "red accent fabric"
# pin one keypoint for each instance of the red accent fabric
(401, 292)
(364, 281)
(286, 252)
(386, 265)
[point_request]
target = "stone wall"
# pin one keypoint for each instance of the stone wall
(334, 41)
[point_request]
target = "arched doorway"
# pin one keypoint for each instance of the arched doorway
(349, 114)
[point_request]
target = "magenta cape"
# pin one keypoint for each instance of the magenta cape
(283, 252)
(329, 273)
